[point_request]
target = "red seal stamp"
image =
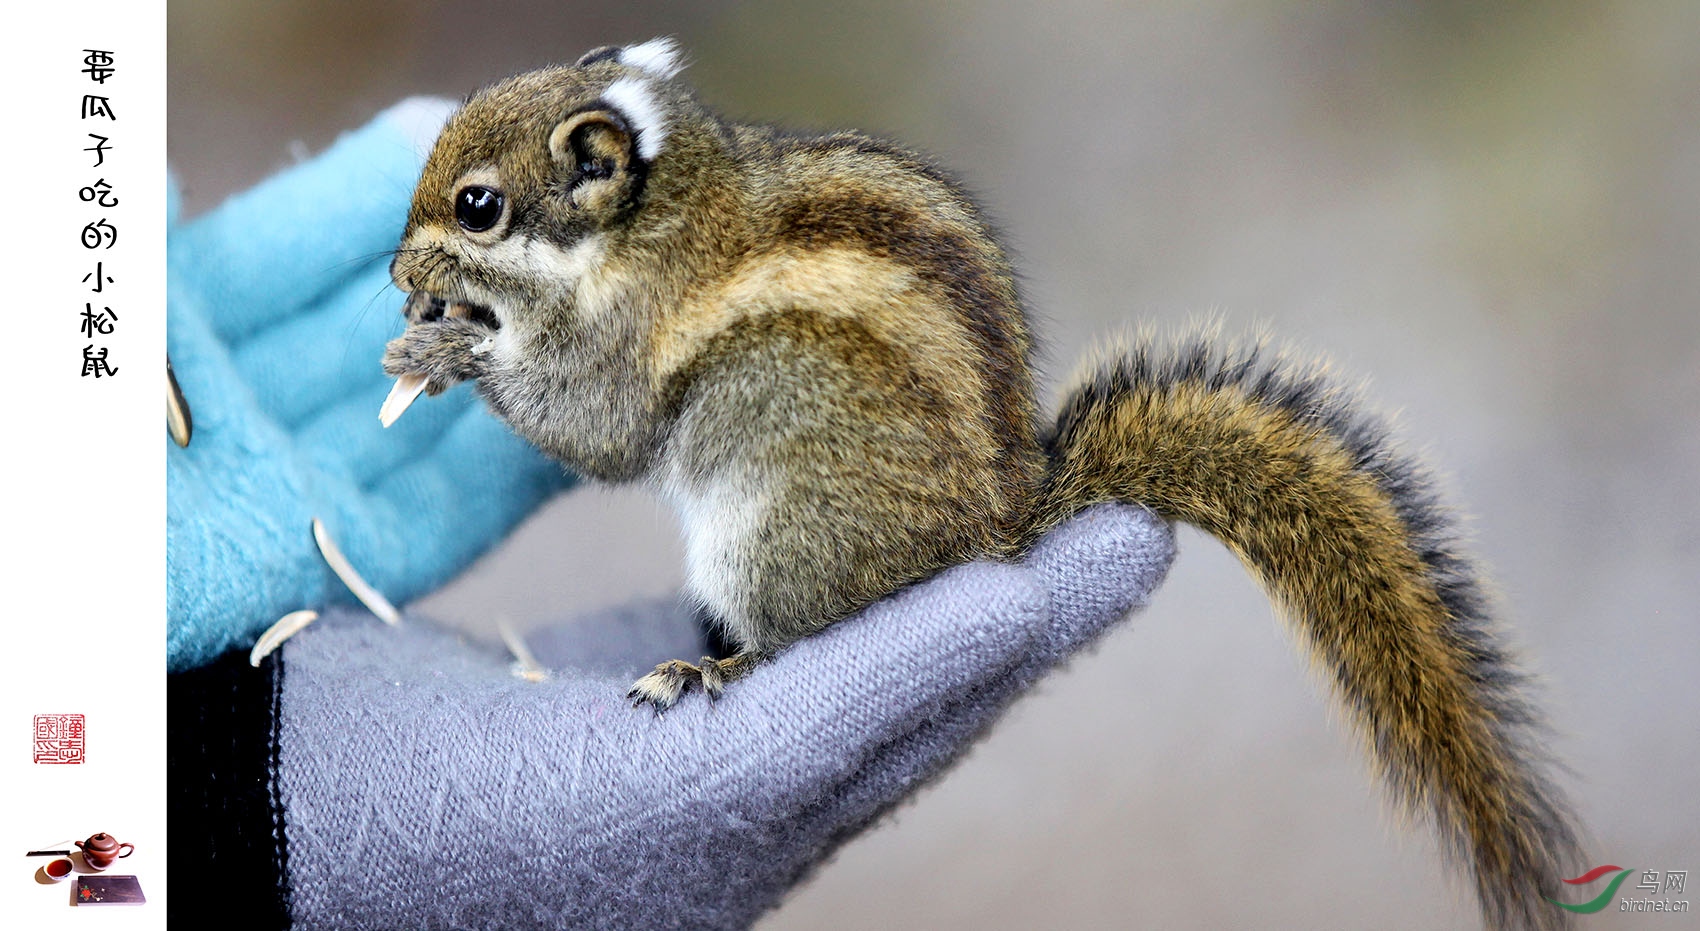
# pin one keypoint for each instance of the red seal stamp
(58, 738)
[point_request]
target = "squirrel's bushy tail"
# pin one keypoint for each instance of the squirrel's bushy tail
(1276, 461)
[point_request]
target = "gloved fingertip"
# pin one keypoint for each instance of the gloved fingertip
(1102, 563)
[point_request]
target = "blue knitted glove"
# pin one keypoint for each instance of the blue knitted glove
(279, 305)
(373, 777)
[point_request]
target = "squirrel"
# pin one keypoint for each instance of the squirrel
(813, 346)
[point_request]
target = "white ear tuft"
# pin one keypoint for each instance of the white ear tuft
(659, 56)
(635, 100)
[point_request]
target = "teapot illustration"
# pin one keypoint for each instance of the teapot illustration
(102, 850)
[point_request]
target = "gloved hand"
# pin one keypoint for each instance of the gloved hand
(278, 306)
(372, 777)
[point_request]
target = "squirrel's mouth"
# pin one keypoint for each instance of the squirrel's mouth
(425, 307)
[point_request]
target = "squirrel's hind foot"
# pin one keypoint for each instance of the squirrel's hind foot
(669, 681)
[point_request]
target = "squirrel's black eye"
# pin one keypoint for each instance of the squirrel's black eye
(478, 208)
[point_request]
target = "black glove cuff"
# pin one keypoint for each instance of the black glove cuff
(227, 853)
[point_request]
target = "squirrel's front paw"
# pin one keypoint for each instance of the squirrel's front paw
(444, 352)
(432, 357)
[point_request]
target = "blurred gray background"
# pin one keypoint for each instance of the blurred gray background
(1491, 214)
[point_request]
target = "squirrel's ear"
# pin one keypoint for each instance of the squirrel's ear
(601, 53)
(595, 151)
(659, 57)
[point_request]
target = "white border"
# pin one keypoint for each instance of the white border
(85, 497)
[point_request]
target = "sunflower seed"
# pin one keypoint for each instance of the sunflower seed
(177, 419)
(339, 564)
(406, 389)
(287, 626)
(525, 664)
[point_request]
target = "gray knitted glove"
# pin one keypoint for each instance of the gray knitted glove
(414, 782)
